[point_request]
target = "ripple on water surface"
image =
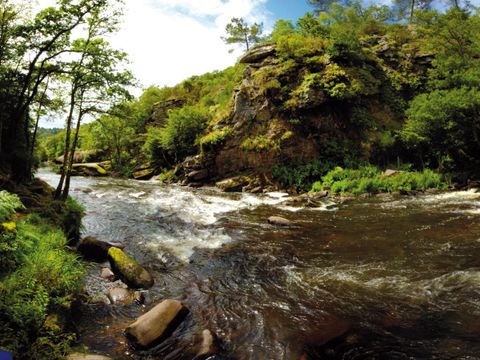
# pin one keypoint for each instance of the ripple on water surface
(387, 278)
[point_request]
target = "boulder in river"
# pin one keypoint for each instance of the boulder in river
(198, 175)
(278, 220)
(157, 324)
(129, 270)
(233, 184)
(93, 249)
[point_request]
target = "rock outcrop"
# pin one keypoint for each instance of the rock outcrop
(258, 54)
(156, 324)
(129, 270)
(83, 156)
(160, 111)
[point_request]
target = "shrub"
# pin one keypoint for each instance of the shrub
(216, 137)
(47, 274)
(369, 179)
(9, 203)
(299, 176)
(260, 143)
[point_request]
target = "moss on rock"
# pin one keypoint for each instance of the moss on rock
(129, 270)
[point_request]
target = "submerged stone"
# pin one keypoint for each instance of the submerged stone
(129, 270)
(278, 220)
(159, 322)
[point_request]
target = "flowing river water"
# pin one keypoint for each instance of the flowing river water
(377, 278)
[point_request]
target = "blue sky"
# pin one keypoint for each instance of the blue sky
(170, 40)
(287, 9)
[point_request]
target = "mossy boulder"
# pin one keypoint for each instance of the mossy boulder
(129, 270)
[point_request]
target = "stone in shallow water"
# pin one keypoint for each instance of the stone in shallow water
(207, 345)
(108, 274)
(278, 220)
(129, 270)
(159, 322)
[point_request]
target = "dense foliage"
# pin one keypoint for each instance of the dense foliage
(39, 277)
(363, 86)
(371, 180)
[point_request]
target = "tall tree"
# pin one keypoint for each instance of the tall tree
(240, 32)
(94, 79)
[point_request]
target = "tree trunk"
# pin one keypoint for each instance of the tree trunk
(412, 10)
(72, 156)
(246, 41)
(66, 152)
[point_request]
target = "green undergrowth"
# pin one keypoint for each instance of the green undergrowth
(39, 278)
(369, 179)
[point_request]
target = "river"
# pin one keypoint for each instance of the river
(377, 278)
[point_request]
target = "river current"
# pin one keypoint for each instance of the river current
(377, 278)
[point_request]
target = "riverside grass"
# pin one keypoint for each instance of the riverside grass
(369, 179)
(39, 278)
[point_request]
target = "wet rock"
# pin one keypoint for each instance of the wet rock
(124, 296)
(108, 274)
(139, 297)
(233, 184)
(256, 190)
(319, 195)
(278, 220)
(156, 324)
(79, 356)
(258, 53)
(198, 175)
(196, 185)
(89, 169)
(207, 346)
(144, 174)
(93, 249)
(120, 296)
(129, 270)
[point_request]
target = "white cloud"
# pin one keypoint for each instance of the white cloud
(170, 40)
